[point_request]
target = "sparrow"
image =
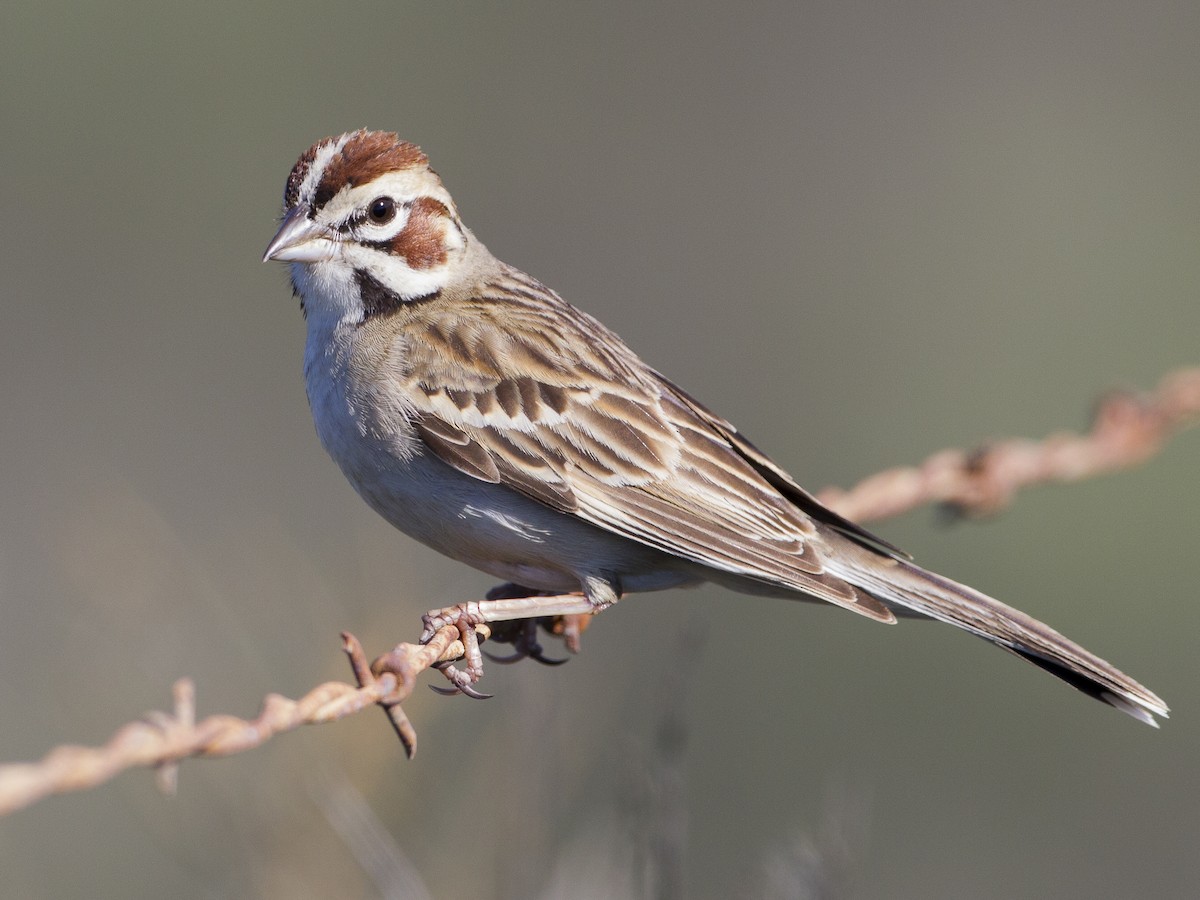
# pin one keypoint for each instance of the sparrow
(481, 414)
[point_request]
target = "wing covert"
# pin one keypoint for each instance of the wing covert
(549, 403)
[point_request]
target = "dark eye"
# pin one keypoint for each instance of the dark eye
(382, 210)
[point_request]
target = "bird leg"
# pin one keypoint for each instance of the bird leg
(520, 614)
(522, 633)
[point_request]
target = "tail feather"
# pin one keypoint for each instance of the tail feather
(1093, 688)
(899, 583)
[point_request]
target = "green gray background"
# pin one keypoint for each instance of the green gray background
(862, 231)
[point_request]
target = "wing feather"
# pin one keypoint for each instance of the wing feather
(781, 480)
(577, 422)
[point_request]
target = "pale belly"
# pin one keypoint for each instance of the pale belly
(510, 536)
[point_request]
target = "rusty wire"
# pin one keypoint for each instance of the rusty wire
(1127, 430)
(161, 740)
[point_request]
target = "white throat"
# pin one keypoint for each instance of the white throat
(330, 293)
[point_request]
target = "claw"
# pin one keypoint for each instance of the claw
(522, 634)
(536, 655)
(465, 689)
(516, 656)
(474, 694)
(461, 680)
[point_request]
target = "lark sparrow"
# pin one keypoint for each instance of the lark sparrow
(480, 413)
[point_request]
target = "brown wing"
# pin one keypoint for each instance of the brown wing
(554, 406)
(781, 480)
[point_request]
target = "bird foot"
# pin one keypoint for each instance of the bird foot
(512, 614)
(522, 634)
(464, 617)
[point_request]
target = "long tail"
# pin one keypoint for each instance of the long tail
(899, 583)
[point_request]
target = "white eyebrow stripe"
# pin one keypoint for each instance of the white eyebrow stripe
(321, 159)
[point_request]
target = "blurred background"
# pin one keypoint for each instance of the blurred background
(862, 231)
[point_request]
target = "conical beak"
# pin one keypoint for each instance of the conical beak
(300, 239)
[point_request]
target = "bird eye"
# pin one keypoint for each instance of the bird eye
(382, 210)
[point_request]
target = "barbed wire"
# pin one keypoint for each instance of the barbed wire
(161, 740)
(1127, 429)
